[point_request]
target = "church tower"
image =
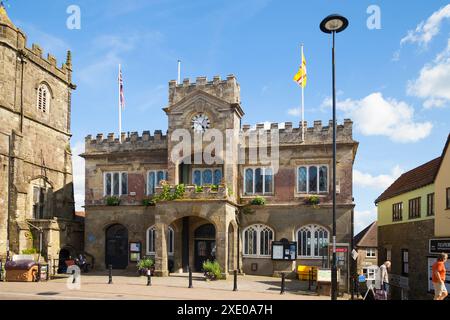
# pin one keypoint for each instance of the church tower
(36, 185)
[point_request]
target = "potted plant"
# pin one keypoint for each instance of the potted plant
(112, 201)
(258, 201)
(144, 265)
(212, 270)
(313, 201)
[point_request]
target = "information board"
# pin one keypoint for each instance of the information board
(324, 275)
(284, 250)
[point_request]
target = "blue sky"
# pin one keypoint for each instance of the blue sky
(394, 82)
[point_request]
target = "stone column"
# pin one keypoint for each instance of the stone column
(161, 260)
(222, 246)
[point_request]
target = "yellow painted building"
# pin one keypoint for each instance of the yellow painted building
(442, 195)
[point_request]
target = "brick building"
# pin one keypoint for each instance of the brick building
(36, 191)
(215, 220)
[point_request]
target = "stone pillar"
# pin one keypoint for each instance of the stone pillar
(161, 259)
(222, 246)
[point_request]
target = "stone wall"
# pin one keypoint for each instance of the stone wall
(40, 142)
(413, 236)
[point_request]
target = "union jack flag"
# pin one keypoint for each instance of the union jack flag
(122, 97)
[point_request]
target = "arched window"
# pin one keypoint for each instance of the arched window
(312, 241)
(258, 240)
(151, 241)
(43, 98)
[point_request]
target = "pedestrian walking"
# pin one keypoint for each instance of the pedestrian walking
(383, 277)
(438, 277)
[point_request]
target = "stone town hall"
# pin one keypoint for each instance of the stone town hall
(215, 221)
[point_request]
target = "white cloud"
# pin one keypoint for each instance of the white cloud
(364, 218)
(294, 112)
(381, 182)
(376, 116)
(433, 83)
(78, 175)
(428, 29)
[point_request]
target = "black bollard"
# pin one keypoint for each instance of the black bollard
(309, 279)
(149, 278)
(38, 276)
(190, 278)
(110, 274)
(283, 283)
(235, 280)
(74, 280)
(1, 270)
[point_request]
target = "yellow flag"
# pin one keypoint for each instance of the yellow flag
(301, 77)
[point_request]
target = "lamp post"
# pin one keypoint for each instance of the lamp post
(334, 24)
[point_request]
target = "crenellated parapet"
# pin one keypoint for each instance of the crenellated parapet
(228, 89)
(318, 133)
(15, 39)
(130, 142)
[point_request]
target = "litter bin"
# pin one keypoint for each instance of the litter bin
(21, 271)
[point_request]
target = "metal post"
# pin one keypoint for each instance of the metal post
(235, 288)
(149, 278)
(309, 279)
(74, 280)
(283, 283)
(333, 265)
(38, 277)
(110, 274)
(190, 277)
(1, 270)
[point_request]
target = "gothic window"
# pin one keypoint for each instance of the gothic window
(258, 240)
(154, 179)
(43, 98)
(312, 241)
(258, 181)
(206, 176)
(115, 183)
(38, 202)
(151, 241)
(312, 179)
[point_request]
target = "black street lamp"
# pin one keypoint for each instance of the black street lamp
(334, 24)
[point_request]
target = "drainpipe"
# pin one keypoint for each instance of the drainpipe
(21, 59)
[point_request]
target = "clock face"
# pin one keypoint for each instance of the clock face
(200, 123)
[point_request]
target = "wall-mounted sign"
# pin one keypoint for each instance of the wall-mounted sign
(284, 250)
(135, 251)
(324, 275)
(440, 245)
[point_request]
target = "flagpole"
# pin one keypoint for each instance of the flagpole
(179, 71)
(303, 104)
(120, 110)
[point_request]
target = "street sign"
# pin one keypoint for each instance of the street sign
(354, 254)
(440, 245)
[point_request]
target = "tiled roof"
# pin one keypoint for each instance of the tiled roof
(368, 237)
(413, 179)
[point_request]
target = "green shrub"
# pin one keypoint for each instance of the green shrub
(30, 251)
(212, 270)
(112, 201)
(148, 202)
(145, 264)
(168, 195)
(214, 187)
(312, 200)
(258, 201)
(198, 189)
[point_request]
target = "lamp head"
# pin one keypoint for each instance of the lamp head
(334, 23)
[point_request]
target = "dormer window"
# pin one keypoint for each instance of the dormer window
(43, 98)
